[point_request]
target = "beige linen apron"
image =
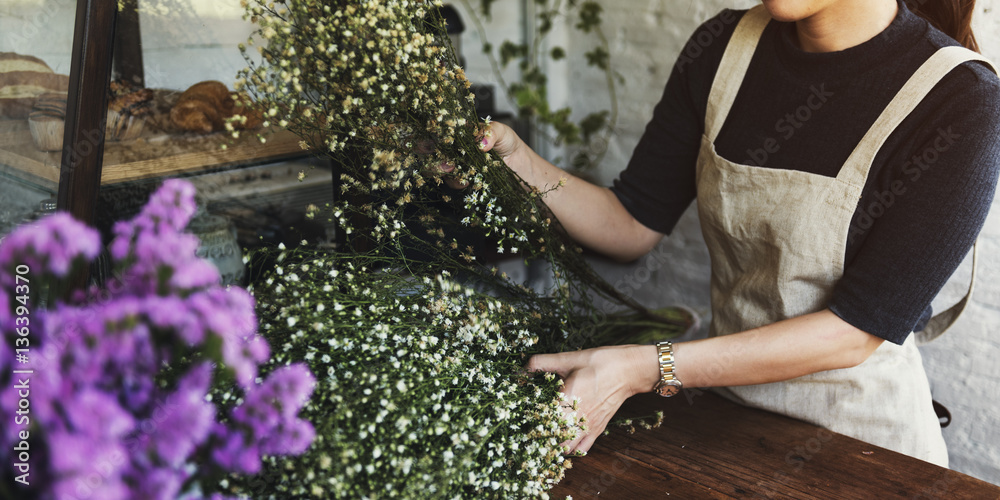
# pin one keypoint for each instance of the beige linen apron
(777, 240)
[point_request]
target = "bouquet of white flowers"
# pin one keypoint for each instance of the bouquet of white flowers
(417, 344)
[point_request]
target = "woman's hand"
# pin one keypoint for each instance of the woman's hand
(503, 141)
(602, 379)
(500, 139)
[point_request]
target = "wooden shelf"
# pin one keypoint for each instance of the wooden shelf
(160, 151)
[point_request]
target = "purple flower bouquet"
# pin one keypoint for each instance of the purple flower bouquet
(108, 394)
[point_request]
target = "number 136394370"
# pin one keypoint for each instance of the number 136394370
(22, 320)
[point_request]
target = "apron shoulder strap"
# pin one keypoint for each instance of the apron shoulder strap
(943, 320)
(855, 170)
(733, 67)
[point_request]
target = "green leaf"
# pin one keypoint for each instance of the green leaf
(592, 123)
(530, 101)
(510, 51)
(581, 161)
(590, 16)
(566, 131)
(534, 76)
(558, 53)
(598, 57)
(486, 6)
(487, 48)
(545, 21)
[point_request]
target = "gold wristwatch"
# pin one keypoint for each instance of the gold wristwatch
(668, 385)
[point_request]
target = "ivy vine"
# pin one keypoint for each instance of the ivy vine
(530, 94)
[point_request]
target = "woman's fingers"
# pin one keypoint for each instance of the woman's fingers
(495, 137)
(487, 138)
(444, 170)
(500, 139)
(561, 364)
(586, 441)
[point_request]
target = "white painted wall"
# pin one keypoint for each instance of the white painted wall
(647, 37)
(184, 41)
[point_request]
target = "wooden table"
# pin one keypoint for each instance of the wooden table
(709, 447)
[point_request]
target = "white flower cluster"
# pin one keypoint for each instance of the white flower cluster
(420, 388)
(375, 82)
(423, 391)
(365, 69)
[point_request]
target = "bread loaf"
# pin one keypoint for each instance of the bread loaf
(22, 79)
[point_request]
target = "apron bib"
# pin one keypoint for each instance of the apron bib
(777, 239)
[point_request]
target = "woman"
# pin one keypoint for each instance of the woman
(843, 165)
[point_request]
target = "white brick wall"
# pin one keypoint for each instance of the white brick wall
(646, 38)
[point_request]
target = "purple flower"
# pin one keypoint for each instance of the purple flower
(6, 357)
(105, 422)
(97, 413)
(259, 412)
(50, 245)
(176, 314)
(233, 452)
(187, 418)
(174, 202)
(168, 212)
(6, 311)
(290, 386)
(227, 313)
(242, 355)
(214, 496)
(157, 483)
(198, 273)
(86, 467)
(292, 437)
(157, 257)
(269, 411)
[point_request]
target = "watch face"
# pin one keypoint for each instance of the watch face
(667, 390)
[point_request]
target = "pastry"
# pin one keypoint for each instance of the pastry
(128, 108)
(200, 108)
(22, 79)
(206, 106)
(47, 121)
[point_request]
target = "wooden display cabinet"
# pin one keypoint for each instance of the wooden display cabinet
(104, 39)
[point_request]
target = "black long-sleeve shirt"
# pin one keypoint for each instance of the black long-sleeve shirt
(928, 191)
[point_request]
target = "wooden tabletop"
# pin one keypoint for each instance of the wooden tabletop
(709, 447)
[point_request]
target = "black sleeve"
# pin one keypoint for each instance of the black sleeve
(919, 219)
(659, 182)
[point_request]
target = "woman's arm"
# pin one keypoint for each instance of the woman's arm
(603, 378)
(591, 215)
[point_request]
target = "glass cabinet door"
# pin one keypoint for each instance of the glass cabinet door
(36, 37)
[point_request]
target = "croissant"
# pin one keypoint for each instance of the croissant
(205, 107)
